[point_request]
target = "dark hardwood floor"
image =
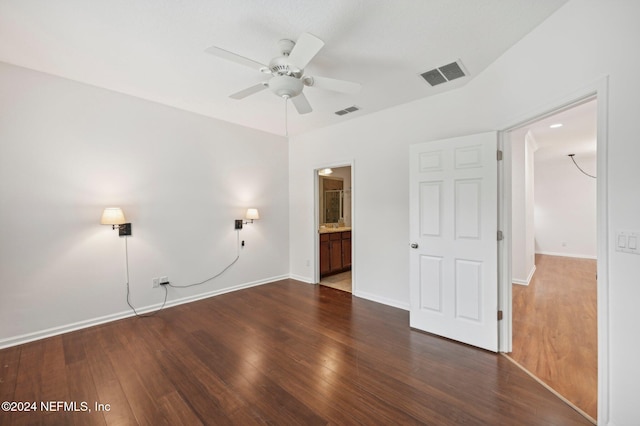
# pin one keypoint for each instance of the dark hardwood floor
(281, 353)
(555, 328)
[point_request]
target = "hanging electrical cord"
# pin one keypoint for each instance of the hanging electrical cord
(574, 162)
(165, 285)
(166, 292)
(219, 273)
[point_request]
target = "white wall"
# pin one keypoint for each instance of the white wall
(378, 203)
(67, 150)
(522, 206)
(579, 45)
(565, 213)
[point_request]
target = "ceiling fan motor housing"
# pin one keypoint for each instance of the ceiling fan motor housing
(287, 72)
(285, 86)
(281, 66)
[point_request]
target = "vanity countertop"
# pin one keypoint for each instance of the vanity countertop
(325, 230)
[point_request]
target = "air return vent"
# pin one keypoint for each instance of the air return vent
(444, 73)
(347, 110)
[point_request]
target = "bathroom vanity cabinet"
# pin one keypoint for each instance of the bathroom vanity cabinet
(335, 252)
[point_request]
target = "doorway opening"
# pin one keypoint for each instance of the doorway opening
(334, 226)
(554, 252)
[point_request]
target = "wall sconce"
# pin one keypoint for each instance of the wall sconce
(114, 216)
(252, 214)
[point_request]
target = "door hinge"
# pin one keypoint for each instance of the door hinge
(499, 156)
(500, 236)
(499, 315)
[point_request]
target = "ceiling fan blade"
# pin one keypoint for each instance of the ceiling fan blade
(305, 49)
(341, 86)
(248, 91)
(302, 104)
(234, 57)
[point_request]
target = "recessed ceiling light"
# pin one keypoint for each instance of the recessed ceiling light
(555, 126)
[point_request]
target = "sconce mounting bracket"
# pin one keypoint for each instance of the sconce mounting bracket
(124, 229)
(238, 224)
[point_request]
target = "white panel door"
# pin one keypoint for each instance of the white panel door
(453, 228)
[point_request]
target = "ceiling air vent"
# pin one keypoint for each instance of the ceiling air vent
(444, 73)
(347, 110)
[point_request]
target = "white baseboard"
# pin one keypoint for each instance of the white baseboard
(363, 294)
(527, 280)
(301, 278)
(579, 256)
(383, 300)
(54, 331)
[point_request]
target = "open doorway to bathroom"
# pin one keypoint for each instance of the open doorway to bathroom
(335, 222)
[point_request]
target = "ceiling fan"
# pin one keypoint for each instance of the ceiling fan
(287, 72)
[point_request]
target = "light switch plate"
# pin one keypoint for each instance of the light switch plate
(628, 242)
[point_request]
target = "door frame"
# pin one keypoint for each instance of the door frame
(598, 90)
(316, 220)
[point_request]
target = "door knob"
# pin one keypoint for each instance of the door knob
(414, 245)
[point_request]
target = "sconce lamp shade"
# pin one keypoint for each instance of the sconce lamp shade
(252, 214)
(249, 217)
(112, 216)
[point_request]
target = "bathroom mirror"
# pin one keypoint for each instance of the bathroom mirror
(331, 199)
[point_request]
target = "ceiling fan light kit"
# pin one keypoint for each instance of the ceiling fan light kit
(287, 71)
(285, 86)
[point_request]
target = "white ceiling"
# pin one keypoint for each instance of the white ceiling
(578, 134)
(154, 49)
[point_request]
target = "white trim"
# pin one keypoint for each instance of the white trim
(383, 300)
(579, 256)
(599, 89)
(505, 342)
(316, 220)
(50, 332)
(602, 91)
(305, 280)
(528, 280)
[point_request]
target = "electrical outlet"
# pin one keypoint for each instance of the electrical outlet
(164, 280)
(156, 282)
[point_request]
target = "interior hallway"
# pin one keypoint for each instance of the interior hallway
(555, 328)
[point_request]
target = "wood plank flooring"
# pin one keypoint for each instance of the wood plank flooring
(555, 328)
(284, 353)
